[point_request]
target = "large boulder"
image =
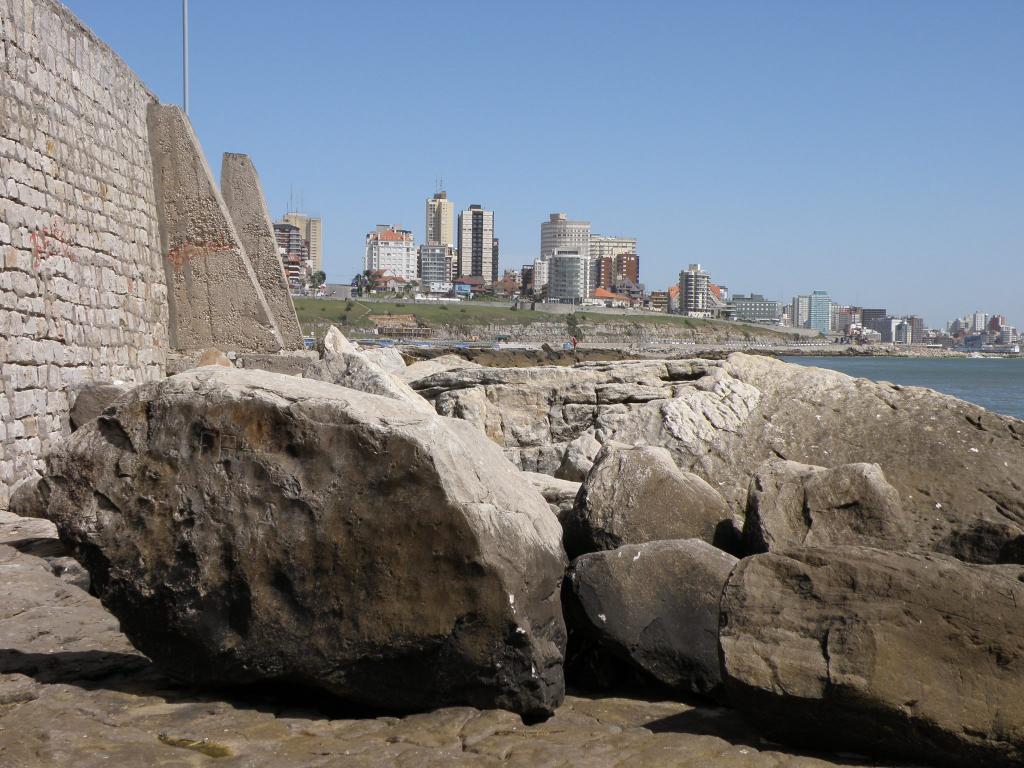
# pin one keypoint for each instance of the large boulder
(387, 358)
(347, 366)
(902, 655)
(652, 607)
(579, 458)
(956, 466)
(440, 364)
(251, 527)
(792, 504)
(90, 398)
(635, 494)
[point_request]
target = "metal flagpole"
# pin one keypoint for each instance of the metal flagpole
(184, 52)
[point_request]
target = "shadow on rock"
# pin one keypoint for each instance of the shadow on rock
(136, 675)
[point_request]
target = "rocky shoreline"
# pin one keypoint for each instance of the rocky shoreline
(725, 556)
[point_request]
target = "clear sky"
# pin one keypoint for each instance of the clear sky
(871, 149)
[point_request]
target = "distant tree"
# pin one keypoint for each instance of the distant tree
(317, 279)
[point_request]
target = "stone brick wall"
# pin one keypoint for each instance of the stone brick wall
(82, 288)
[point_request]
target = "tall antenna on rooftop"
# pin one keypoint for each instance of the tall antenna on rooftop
(184, 54)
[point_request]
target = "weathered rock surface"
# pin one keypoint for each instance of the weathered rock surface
(653, 607)
(88, 399)
(957, 467)
(579, 458)
(74, 692)
(559, 494)
(902, 655)
(386, 358)
(247, 526)
(39, 538)
(214, 356)
(636, 494)
(792, 505)
(347, 366)
(423, 368)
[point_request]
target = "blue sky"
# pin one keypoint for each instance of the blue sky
(871, 149)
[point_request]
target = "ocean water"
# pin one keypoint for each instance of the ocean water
(993, 383)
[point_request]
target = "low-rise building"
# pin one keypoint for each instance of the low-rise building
(755, 308)
(391, 249)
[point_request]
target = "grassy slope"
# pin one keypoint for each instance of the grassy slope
(353, 315)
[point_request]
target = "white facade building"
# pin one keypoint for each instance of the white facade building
(693, 292)
(436, 263)
(568, 276)
(391, 249)
(558, 233)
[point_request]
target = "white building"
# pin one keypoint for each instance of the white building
(540, 275)
(440, 225)
(436, 263)
(693, 292)
(391, 249)
(560, 234)
(568, 276)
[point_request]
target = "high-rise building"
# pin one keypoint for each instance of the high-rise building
(436, 264)
(800, 310)
(440, 226)
(391, 249)
(819, 312)
(916, 329)
(559, 233)
(294, 254)
(615, 261)
(871, 317)
(693, 291)
(311, 228)
(568, 276)
(477, 245)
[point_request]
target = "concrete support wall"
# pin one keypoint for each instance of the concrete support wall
(243, 195)
(82, 288)
(215, 297)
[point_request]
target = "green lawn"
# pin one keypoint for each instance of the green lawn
(353, 314)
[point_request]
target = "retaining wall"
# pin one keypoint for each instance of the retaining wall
(82, 288)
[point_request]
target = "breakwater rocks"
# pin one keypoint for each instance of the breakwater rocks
(837, 563)
(653, 329)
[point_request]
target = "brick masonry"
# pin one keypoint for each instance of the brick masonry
(82, 289)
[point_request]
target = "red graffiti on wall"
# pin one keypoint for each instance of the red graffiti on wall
(183, 254)
(49, 241)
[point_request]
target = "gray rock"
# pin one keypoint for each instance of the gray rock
(653, 607)
(559, 494)
(246, 526)
(423, 368)
(636, 494)
(899, 655)
(74, 692)
(956, 466)
(89, 399)
(579, 458)
(345, 365)
(387, 359)
(792, 504)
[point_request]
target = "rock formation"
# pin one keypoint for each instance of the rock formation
(636, 494)
(792, 504)
(88, 400)
(423, 368)
(387, 358)
(559, 494)
(900, 655)
(346, 365)
(653, 607)
(249, 527)
(956, 466)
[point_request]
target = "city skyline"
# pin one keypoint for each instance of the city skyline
(867, 151)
